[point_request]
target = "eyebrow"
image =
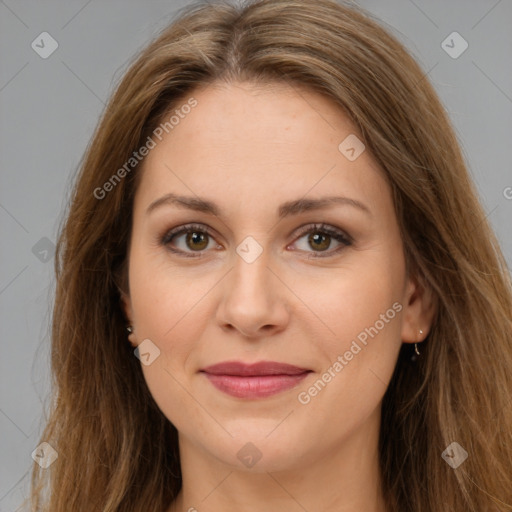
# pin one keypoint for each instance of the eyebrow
(285, 210)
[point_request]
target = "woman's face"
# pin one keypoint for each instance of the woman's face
(271, 271)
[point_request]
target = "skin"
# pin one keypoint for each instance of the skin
(249, 149)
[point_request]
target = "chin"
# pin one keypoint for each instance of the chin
(253, 449)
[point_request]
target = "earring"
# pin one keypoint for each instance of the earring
(129, 328)
(415, 357)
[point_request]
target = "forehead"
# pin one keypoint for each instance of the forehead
(246, 116)
(248, 144)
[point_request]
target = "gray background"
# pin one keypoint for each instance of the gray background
(49, 108)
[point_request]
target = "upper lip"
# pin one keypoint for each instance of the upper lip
(239, 368)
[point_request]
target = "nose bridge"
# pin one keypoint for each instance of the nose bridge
(251, 299)
(251, 277)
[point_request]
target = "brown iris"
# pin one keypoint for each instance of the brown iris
(318, 238)
(195, 237)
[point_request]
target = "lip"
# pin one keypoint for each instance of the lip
(258, 380)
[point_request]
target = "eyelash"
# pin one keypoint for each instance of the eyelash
(333, 232)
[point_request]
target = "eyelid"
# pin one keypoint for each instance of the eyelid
(184, 228)
(322, 227)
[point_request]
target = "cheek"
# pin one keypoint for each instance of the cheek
(171, 309)
(359, 361)
(170, 315)
(168, 311)
(362, 310)
(349, 300)
(162, 294)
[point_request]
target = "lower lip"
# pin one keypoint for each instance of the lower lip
(255, 387)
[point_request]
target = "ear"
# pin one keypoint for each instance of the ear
(126, 305)
(420, 306)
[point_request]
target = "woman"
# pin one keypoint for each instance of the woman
(276, 286)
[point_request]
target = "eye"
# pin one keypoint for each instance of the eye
(194, 238)
(320, 237)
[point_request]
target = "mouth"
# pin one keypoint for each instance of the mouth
(258, 380)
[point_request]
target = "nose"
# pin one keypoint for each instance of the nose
(254, 299)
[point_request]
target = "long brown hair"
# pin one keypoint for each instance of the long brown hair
(116, 450)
